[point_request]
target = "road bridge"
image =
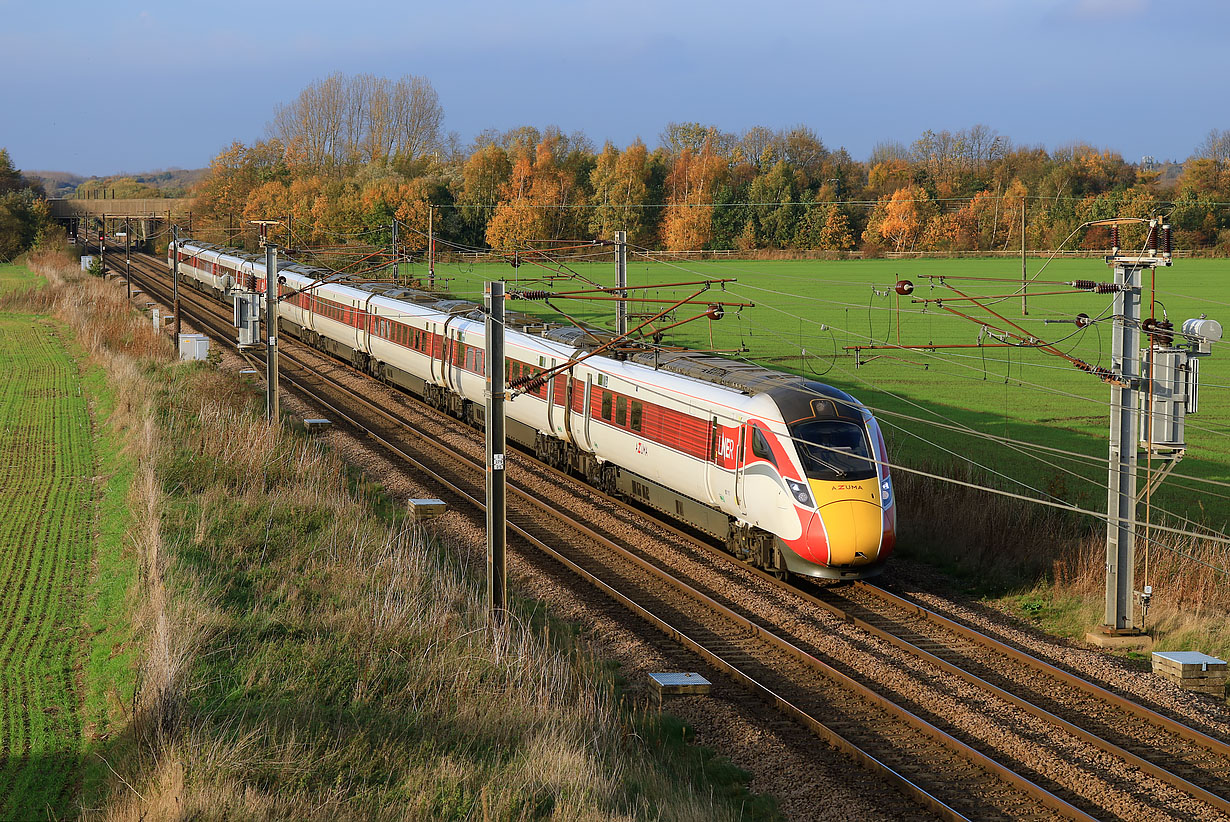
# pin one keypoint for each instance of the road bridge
(144, 219)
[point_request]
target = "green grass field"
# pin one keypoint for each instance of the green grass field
(66, 665)
(46, 465)
(808, 312)
(14, 277)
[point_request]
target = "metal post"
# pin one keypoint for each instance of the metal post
(175, 281)
(1024, 276)
(497, 562)
(431, 247)
(271, 328)
(1121, 489)
(621, 282)
(396, 267)
(127, 255)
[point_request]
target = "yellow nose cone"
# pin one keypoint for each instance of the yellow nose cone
(854, 527)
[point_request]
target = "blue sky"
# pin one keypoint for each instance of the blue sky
(132, 86)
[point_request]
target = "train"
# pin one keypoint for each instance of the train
(790, 474)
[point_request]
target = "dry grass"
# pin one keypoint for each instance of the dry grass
(1010, 546)
(308, 657)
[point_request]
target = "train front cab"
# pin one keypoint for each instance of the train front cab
(851, 529)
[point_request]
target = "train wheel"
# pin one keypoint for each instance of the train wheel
(779, 570)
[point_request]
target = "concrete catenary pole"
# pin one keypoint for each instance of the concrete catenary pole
(102, 250)
(431, 247)
(127, 254)
(175, 280)
(271, 328)
(621, 282)
(1121, 487)
(497, 563)
(396, 267)
(1024, 275)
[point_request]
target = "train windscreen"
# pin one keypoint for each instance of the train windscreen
(834, 450)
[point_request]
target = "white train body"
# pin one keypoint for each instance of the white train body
(726, 460)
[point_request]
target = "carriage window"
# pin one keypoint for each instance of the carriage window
(760, 446)
(621, 410)
(606, 405)
(636, 416)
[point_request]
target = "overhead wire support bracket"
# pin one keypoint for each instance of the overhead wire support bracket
(538, 380)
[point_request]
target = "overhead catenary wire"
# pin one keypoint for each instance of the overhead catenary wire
(964, 458)
(1069, 506)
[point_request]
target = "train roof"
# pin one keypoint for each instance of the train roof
(747, 378)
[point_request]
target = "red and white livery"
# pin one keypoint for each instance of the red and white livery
(792, 474)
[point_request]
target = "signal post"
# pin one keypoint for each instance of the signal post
(497, 534)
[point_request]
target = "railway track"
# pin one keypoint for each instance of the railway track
(778, 650)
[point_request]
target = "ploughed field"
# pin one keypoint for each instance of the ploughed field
(808, 312)
(46, 500)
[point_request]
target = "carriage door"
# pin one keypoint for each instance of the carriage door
(585, 409)
(551, 405)
(570, 385)
(725, 461)
(740, 465)
(711, 463)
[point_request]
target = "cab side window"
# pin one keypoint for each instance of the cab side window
(760, 446)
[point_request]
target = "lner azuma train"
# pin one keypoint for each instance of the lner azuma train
(791, 474)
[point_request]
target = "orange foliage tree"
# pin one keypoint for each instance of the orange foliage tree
(688, 221)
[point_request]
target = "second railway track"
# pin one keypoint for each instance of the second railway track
(971, 741)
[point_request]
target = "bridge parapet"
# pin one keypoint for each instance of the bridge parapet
(64, 208)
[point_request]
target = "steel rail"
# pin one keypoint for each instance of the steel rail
(747, 626)
(1211, 743)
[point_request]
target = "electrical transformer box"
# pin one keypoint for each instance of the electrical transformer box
(1164, 400)
(193, 346)
(247, 318)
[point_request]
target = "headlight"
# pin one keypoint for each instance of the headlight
(886, 492)
(800, 493)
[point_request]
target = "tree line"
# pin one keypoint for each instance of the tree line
(353, 153)
(23, 210)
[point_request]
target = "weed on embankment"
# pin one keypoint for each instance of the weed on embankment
(305, 656)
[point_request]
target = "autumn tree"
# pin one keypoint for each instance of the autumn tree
(677, 137)
(484, 176)
(534, 201)
(1216, 146)
(620, 182)
(760, 146)
(342, 121)
(825, 226)
(905, 216)
(806, 154)
(693, 179)
(235, 173)
(889, 175)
